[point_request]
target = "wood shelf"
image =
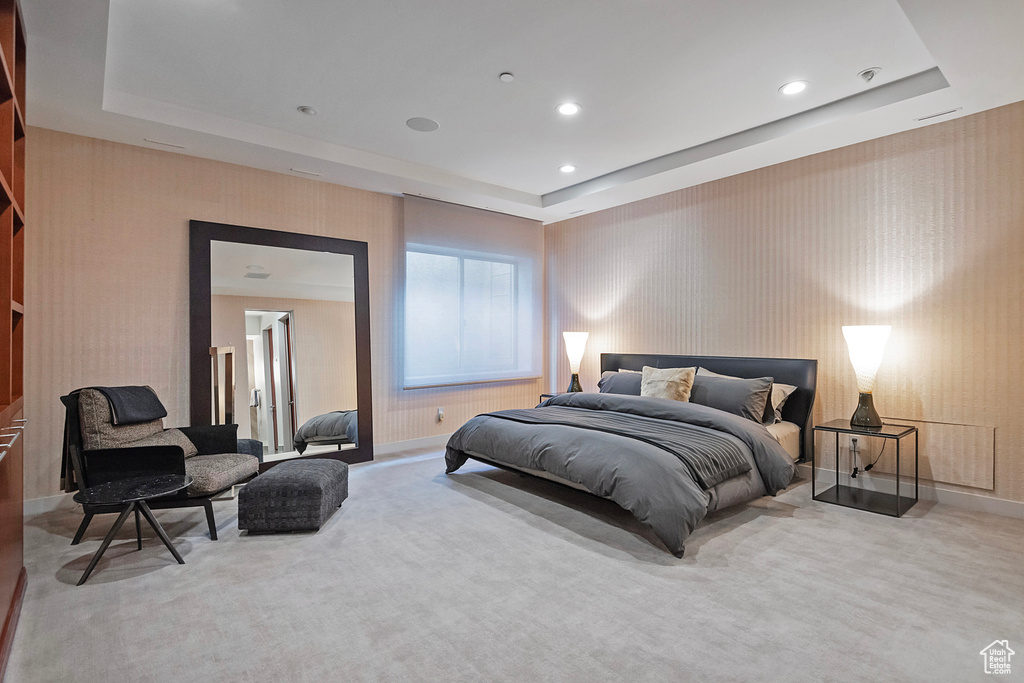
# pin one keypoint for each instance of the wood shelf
(12, 329)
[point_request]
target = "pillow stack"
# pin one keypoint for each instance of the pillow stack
(759, 399)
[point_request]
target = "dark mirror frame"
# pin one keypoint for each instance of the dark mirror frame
(201, 234)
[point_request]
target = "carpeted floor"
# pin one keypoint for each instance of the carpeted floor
(487, 575)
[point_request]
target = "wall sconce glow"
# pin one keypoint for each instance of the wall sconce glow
(575, 343)
(568, 168)
(569, 109)
(793, 88)
(866, 344)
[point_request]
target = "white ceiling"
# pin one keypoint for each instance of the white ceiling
(223, 78)
(294, 273)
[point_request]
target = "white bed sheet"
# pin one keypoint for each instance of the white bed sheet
(788, 436)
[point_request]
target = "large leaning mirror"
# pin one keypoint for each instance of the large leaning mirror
(279, 328)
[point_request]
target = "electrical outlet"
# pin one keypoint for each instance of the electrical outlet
(440, 414)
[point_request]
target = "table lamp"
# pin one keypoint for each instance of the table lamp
(867, 346)
(575, 342)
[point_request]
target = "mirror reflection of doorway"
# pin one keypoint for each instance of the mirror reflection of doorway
(271, 362)
(292, 313)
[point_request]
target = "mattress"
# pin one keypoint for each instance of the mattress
(788, 436)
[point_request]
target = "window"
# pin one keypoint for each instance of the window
(468, 317)
(472, 295)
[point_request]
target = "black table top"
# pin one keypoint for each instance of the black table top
(887, 431)
(132, 489)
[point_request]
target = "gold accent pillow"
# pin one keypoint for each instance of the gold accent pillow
(670, 383)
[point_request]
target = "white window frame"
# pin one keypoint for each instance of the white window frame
(506, 374)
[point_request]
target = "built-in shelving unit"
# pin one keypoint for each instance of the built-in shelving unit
(12, 320)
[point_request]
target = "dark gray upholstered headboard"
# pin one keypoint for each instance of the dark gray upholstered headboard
(801, 373)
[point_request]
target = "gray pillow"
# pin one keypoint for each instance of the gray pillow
(744, 397)
(780, 392)
(620, 383)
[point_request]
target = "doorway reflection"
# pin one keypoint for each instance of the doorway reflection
(290, 314)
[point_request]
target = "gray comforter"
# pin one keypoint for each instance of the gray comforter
(657, 478)
(337, 427)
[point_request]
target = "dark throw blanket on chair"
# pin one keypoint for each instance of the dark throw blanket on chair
(132, 405)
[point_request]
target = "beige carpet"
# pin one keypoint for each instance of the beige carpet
(488, 575)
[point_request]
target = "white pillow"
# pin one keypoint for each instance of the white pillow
(671, 383)
(780, 392)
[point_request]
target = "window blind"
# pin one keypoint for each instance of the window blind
(472, 303)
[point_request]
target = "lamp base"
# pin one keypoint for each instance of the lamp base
(866, 417)
(574, 385)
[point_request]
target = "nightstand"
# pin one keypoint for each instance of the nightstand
(893, 505)
(544, 397)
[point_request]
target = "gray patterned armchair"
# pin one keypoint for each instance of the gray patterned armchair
(97, 450)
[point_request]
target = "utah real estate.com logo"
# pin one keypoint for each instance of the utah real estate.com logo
(997, 657)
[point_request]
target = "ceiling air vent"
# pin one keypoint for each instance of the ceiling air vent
(941, 113)
(257, 276)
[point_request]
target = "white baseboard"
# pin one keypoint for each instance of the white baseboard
(37, 506)
(437, 441)
(927, 491)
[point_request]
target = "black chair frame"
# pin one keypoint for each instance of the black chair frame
(99, 466)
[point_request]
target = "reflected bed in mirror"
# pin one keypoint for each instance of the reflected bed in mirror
(290, 307)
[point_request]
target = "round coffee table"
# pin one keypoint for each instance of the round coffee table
(133, 493)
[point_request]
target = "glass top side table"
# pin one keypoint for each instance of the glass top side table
(133, 493)
(893, 505)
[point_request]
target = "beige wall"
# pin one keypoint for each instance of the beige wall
(325, 351)
(106, 291)
(923, 230)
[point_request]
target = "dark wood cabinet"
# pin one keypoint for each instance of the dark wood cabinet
(12, 323)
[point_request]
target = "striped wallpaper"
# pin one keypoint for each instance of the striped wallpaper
(923, 230)
(106, 281)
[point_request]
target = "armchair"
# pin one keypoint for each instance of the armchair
(96, 450)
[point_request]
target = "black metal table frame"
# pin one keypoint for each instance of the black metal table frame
(865, 433)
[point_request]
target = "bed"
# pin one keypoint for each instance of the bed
(669, 463)
(335, 428)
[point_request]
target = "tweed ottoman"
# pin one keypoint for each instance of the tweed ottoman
(297, 495)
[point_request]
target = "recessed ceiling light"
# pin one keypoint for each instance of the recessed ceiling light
(308, 111)
(254, 268)
(568, 168)
(568, 109)
(793, 88)
(868, 74)
(418, 123)
(507, 77)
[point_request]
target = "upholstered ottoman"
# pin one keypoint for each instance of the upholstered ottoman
(296, 495)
